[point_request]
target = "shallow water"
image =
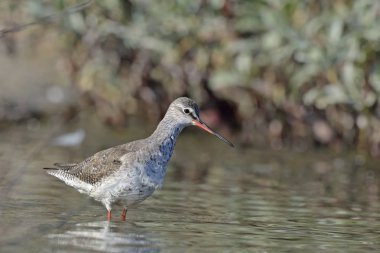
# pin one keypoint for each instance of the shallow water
(215, 199)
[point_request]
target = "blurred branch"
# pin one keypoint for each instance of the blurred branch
(66, 11)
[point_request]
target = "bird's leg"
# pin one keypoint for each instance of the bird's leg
(109, 215)
(124, 214)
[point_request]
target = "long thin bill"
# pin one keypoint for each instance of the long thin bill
(204, 127)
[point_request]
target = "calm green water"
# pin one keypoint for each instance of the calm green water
(215, 199)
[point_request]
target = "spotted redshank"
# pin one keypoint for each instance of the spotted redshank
(129, 173)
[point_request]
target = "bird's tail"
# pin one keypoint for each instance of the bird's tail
(50, 169)
(69, 179)
(61, 166)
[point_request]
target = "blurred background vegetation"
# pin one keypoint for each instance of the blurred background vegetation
(278, 73)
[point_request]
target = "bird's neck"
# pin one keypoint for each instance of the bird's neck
(167, 130)
(163, 141)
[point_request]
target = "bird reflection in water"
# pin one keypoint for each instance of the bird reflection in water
(105, 236)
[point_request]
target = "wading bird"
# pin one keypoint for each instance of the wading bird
(131, 172)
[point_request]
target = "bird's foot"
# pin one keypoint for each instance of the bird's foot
(124, 214)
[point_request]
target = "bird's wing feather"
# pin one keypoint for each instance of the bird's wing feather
(101, 164)
(65, 165)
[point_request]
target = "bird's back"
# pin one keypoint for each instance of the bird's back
(93, 170)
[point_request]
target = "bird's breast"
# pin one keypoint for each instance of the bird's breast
(156, 164)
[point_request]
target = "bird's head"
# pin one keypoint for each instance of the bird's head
(186, 112)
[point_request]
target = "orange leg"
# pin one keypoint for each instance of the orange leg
(109, 215)
(124, 214)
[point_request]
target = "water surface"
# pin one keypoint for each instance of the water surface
(215, 199)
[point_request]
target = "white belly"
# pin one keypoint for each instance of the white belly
(127, 187)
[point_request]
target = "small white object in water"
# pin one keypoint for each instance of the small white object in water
(70, 139)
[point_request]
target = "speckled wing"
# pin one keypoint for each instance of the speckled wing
(100, 165)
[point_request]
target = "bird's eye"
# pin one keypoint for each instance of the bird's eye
(187, 111)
